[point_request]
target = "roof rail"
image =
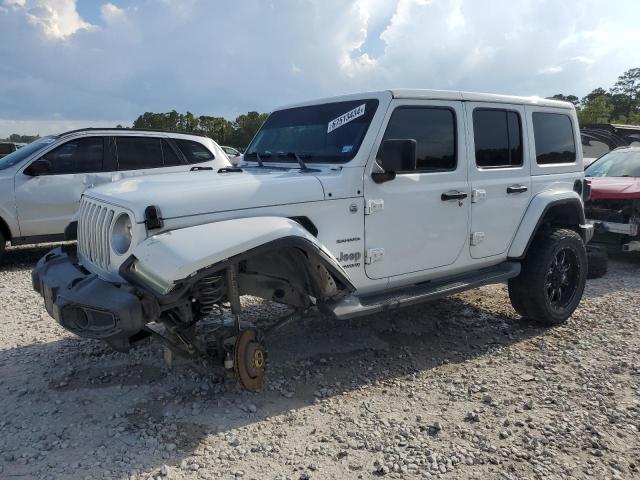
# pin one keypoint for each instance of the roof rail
(127, 129)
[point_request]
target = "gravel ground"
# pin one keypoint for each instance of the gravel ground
(458, 388)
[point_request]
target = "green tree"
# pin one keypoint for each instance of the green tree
(236, 134)
(626, 93)
(566, 98)
(246, 126)
(598, 92)
(596, 110)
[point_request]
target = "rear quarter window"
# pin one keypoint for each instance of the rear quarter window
(194, 152)
(554, 138)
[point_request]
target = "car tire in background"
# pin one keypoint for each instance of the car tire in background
(598, 260)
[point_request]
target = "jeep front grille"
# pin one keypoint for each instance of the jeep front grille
(94, 225)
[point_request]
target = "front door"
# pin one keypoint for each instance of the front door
(500, 176)
(46, 203)
(420, 219)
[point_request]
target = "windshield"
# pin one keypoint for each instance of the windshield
(24, 152)
(619, 163)
(329, 133)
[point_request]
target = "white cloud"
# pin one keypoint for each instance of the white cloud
(225, 58)
(551, 70)
(111, 13)
(58, 19)
(584, 60)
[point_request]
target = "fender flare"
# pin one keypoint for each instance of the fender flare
(182, 256)
(535, 214)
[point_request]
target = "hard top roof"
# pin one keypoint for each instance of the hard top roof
(424, 94)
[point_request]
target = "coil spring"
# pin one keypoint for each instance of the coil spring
(209, 292)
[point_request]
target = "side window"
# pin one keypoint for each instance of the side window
(84, 155)
(555, 142)
(433, 129)
(169, 155)
(498, 138)
(193, 151)
(136, 153)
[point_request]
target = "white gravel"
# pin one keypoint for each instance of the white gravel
(458, 388)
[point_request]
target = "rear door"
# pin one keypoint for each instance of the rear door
(146, 155)
(46, 203)
(500, 175)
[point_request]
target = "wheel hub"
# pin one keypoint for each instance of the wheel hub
(560, 281)
(249, 360)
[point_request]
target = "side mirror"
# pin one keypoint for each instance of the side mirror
(39, 167)
(395, 156)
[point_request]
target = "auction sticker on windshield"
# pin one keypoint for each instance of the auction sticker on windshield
(346, 118)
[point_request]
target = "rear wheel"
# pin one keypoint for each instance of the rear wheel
(550, 285)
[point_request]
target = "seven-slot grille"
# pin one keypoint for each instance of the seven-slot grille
(94, 226)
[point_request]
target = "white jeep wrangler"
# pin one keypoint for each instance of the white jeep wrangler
(348, 206)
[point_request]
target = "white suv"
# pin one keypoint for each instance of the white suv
(41, 184)
(349, 206)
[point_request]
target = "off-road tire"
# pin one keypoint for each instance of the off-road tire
(543, 277)
(598, 260)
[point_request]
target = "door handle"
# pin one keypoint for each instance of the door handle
(517, 189)
(453, 195)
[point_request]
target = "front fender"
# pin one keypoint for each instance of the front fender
(179, 254)
(535, 213)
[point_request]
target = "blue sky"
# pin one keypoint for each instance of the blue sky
(72, 63)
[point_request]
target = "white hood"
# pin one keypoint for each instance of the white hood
(200, 192)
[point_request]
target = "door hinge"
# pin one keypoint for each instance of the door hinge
(373, 255)
(477, 238)
(477, 195)
(374, 206)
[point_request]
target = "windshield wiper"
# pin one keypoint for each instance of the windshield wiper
(298, 158)
(303, 166)
(258, 157)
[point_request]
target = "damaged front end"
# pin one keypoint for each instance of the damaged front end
(616, 222)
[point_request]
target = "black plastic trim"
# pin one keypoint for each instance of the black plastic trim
(566, 201)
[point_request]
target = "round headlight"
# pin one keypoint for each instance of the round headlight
(121, 234)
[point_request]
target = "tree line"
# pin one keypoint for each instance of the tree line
(17, 138)
(237, 133)
(618, 104)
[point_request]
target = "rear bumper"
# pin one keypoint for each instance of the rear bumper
(86, 305)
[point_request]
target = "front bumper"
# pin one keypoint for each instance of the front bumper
(587, 232)
(86, 305)
(617, 233)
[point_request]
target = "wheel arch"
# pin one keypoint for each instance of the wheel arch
(276, 249)
(555, 210)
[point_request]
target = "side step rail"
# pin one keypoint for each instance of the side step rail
(355, 306)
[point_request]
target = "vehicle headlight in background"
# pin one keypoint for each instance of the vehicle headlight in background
(121, 234)
(150, 279)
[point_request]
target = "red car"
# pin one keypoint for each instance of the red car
(614, 206)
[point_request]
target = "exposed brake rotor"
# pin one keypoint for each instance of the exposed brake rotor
(249, 360)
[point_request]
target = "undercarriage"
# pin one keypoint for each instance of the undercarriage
(211, 332)
(201, 320)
